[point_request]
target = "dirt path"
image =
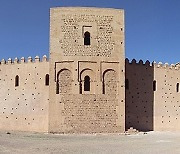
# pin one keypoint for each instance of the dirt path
(152, 142)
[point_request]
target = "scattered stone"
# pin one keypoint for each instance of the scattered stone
(131, 131)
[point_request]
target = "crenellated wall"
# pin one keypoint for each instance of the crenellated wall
(87, 87)
(139, 95)
(152, 96)
(167, 97)
(24, 97)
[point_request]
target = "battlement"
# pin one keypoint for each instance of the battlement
(141, 62)
(36, 59)
(166, 66)
(156, 65)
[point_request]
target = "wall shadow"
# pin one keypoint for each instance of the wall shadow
(139, 95)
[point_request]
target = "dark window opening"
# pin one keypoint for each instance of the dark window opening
(177, 87)
(16, 81)
(154, 85)
(126, 84)
(47, 80)
(87, 38)
(87, 83)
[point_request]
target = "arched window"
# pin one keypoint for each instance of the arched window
(110, 82)
(87, 40)
(64, 82)
(177, 87)
(154, 85)
(16, 81)
(86, 83)
(47, 80)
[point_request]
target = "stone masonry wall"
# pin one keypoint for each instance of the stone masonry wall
(72, 24)
(139, 95)
(152, 96)
(167, 97)
(90, 113)
(94, 73)
(24, 103)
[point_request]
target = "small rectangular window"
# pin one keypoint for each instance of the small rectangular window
(16, 81)
(47, 80)
(154, 85)
(177, 87)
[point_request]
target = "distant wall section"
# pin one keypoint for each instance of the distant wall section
(167, 97)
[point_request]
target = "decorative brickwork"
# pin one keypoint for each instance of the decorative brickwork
(87, 58)
(71, 43)
(90, 113)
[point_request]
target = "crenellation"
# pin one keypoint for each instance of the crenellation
(166, 66)
(9, 61)
(3, 61)
(141, 62)
(29, 59)
(153, 64)
(37, 59)
(44, 59)
(147, 63)
(127, 61)
(16, 60)
(23, 60)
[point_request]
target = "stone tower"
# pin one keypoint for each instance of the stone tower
(87, 70)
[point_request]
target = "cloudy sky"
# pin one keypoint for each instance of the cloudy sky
(152, 27)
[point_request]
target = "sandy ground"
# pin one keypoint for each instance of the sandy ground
(31, 143)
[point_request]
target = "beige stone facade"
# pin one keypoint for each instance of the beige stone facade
(81, 89)
(87, 70)
(152, 96)
(24, 95)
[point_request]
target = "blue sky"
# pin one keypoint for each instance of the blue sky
(152, 27)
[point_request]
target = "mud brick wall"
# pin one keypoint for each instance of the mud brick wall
(90, 113)
(24, 103)
(72, 36)
(139, 95)
(87, 83)
(167, 97)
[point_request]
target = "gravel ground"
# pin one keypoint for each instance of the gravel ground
(31, 143)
